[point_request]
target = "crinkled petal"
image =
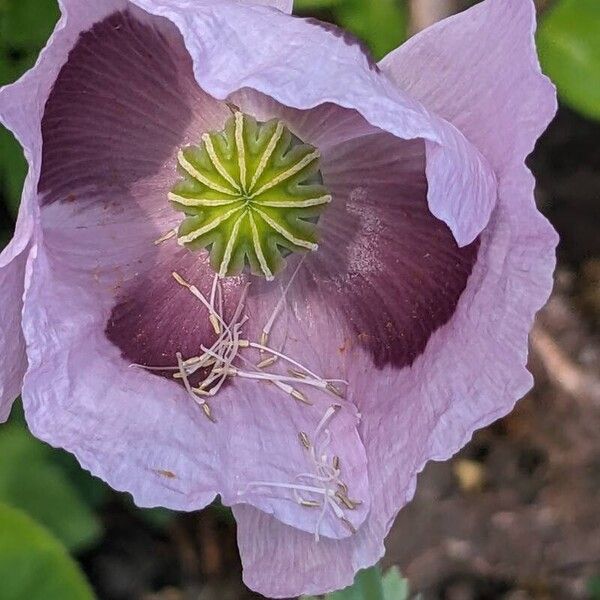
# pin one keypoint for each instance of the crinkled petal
(282, 5)
(473, 369)
(323, 126)
(329, 67)
(281, 562)
(12, 344)
(472, 373)
(21, 109)
(480, 71)
(143, 434)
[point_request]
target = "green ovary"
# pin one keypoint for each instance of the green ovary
(249, 193)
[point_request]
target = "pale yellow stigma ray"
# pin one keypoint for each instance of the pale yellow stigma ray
(241, 148)
(216, 161)
(190, 237)
(200, 202)
(294, 203)
(258, 249)
(191, 170)
(235, 232)
(287, 174)
(290, 237)
(264, 160)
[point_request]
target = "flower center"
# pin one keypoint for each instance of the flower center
(251, 193)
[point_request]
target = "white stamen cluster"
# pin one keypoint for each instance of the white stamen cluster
(216, 362)
(322, 488)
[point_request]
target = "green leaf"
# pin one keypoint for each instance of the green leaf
(594, 587)
(31, 481)
(306, 5)
(395, 587)
(33, 564)
(157, 518)
(93, 491)
(382, 24)
(569, 47)
(367, 586)
(27, 23)
(370, 585)
(13, 169)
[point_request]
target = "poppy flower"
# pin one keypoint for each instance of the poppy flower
(251, 262)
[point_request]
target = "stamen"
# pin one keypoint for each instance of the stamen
(146, 368)
(325, 482)
(286, 486)
(316, 381)
(213, 292)
(345, 501)
(279, 380)
(267, 362)
(310, 503)
(189, 389)
(273, 377)
(349, 525)
(305, 440)
(215, 319)
(326, 418)
(165, 237)
(264, 336)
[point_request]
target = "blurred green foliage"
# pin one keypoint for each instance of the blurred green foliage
(382, 24)
(24, 28)
(594, 588)
(33, 478)
(370, 584)
(569, 47)
(33, 564)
